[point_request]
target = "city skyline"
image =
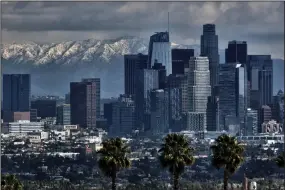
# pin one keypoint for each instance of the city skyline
(21, 22)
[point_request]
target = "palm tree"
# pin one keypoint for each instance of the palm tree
(10, 182)
(227, 154)
(175, 154)
(113, 157)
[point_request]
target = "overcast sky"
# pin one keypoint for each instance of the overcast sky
(261, 24)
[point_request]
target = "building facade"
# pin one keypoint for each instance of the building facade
(98, 94)
(252, 122)
(45, 108)
(16, 92)
(232, 95)
(123, 116)
(180, 60)
(199, 85)
(147, 81)
(133, 63)
(63, 114)
(83, 104)
(236, 52)
(159, 116)
(160, 50)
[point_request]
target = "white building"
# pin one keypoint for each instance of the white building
(199, 86)
(24, 127)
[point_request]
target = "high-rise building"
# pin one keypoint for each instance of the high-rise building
(45, 108)
(160, 50)
(123, 116)
(63, 114)
(98, 94)
(236, 52)
(180, 60)
(108, 111)
(265, 87)
(159, 108)
(161, 74)
(210, 49)
(16, 92)
(278, 107)
(260, 76)
(133, 63)
(264, 116)
(180, 82)
(199, 85)
(147, 81)
(252, 122)
(175, 109)
(232, 95)
(83, 104)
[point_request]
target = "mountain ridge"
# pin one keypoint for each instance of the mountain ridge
(72, 60)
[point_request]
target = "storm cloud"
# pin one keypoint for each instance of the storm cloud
(259, 23)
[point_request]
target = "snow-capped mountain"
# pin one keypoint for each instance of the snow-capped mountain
(54, 66)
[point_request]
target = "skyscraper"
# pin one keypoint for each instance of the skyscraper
(98, 94)
(210, 49)
(260, 76)
(232, 95)
(180, 60)
(236, 52)
(161, 74)
(180, 82)
(199, 85)
(16, 92)
(159, 108)
(133, 63)
(146, 82)
(160, 50)
(83, 104)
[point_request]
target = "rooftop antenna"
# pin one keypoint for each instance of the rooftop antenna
(168, 22)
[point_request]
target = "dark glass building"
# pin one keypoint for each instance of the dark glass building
(236, 52)
(232, 96)
(210, 49)
(83, 104)
(108, 110)
(133, 63)
(180, 60)
(161, 74)
(16, 92)
(147, 81)
(260, 75)
(45, 108)
(63, 114)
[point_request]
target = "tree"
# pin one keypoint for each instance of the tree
(175, 154)
(10, 182)
(113, 157)
(227, 154)
(280, 161)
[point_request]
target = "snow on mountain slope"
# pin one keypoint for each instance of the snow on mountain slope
(74, 52)
(62, 63)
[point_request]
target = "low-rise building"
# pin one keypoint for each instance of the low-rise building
(24, 127)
